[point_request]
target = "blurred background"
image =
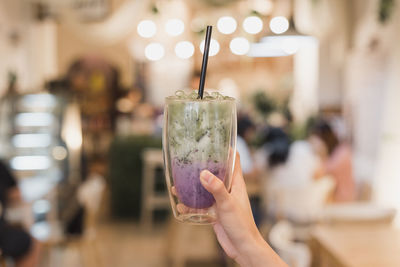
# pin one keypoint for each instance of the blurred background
(82, 88)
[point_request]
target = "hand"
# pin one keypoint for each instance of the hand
(235, 227)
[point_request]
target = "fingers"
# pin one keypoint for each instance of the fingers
(238, 167)
(215, 186)
(182, 208)
(173, 191)
(238, 183)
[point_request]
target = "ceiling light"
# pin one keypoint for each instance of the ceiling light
(154, 51)
(214, 47)
(184, 49)
(146, 28)
(279, 24)
(226, 25)
(174, 27)
(252, 24)
(239, 46)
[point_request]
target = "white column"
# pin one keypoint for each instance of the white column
(304, 102)
(386, 182)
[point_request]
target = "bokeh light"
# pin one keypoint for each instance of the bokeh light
(226, 25)
(239, 46)
(214, 47)
(154, 51)
(146, 28)
(279, 24)
(174, 27)
(184, 49)
(252, 24)
(59, 152)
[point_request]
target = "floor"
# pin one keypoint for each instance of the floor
(123, 244)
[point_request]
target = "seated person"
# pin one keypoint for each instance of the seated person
(290, 189)
(246, 130)
(14, 242)
(289, 164)
(336, 160)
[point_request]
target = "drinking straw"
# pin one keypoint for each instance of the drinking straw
(205, 60)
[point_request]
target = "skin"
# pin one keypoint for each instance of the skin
(235, 228)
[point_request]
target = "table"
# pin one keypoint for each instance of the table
(356, 246)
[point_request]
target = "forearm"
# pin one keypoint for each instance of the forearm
(260, 254)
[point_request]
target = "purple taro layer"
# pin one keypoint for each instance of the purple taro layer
(187, 182)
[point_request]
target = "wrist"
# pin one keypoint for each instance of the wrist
(259, 254)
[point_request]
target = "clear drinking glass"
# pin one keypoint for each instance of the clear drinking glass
(198, 134)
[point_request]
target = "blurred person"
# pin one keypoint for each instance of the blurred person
(14, 241)
(290, 164)
(290, 190)
(235, 228)
(245, 134)
(275, 149)
(336, 160)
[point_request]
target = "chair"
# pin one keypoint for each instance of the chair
(294, 254)
(151, 200)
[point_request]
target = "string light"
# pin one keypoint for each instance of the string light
(184, 49)
(146, 28)
(239, 46)
(279, 24)
(214, 47)
(154, 51)
(226, 25)
(252, 24)
(174, 27)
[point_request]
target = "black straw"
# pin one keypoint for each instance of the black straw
(205, 61)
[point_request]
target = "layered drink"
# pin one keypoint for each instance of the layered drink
(198, 134)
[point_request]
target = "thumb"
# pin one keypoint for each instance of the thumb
(215, 186)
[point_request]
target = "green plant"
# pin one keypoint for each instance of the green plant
(386, 8)
(263, 104)
(300, 131)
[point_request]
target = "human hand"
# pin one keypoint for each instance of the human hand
(235, 227)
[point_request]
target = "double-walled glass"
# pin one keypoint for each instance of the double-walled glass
(197, 135)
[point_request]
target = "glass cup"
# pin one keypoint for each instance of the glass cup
(198, 134)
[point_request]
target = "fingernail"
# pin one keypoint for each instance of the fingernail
(206, 176)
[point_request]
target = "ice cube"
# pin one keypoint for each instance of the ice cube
(180, 94)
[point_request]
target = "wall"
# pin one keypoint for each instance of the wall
(75, 38)
(27, 46)
(70, 47)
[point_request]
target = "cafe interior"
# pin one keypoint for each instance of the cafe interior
(82, 94)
